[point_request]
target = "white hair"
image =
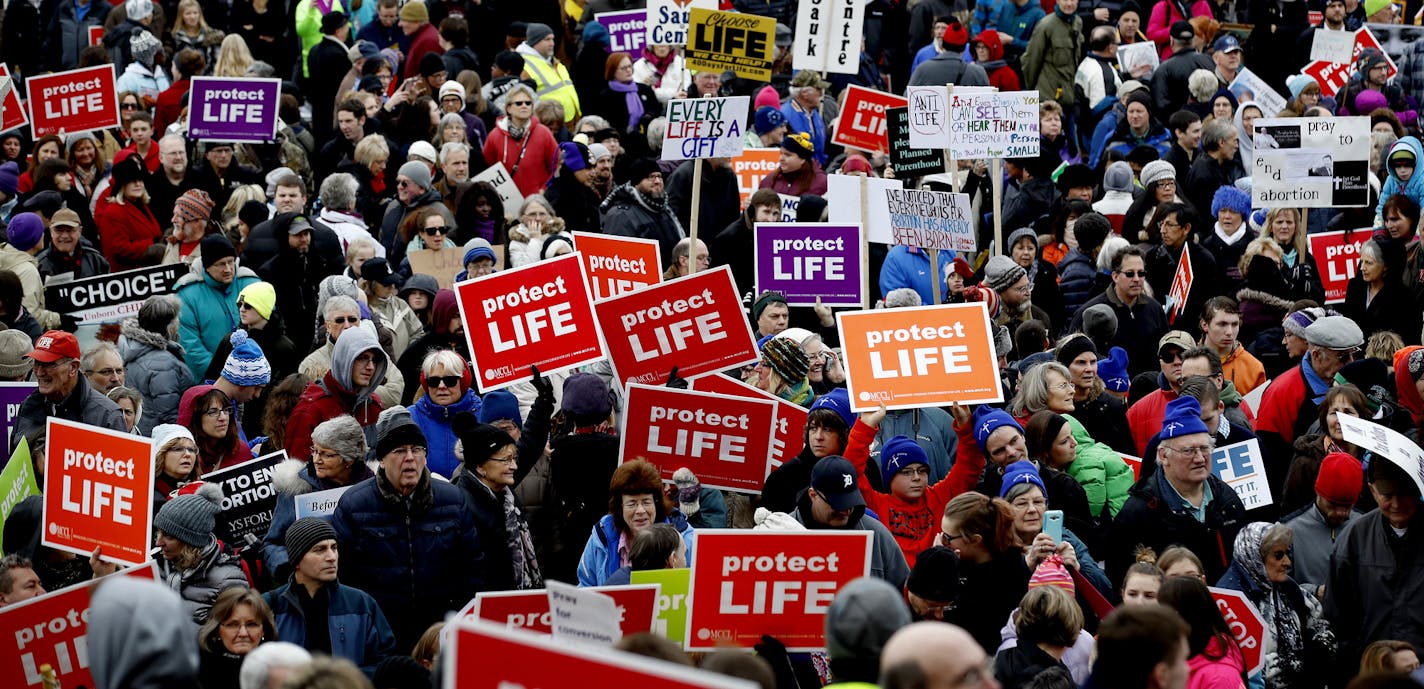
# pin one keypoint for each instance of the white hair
(452, 146)
(340, 304)
(444, 359)
(257, 667)
(338, 191)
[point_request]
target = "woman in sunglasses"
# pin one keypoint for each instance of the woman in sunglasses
(445, 384)
(426, 228)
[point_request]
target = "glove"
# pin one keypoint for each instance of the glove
(541, 384)
(674, 382)
(688, 488)
(68, 323)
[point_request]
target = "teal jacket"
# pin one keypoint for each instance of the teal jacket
(209, 314)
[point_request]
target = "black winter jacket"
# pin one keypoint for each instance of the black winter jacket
(1153, 516)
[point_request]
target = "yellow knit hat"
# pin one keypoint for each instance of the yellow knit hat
(261, 296)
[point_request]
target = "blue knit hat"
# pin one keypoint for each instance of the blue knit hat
(1231, 198)
(1019, 473)
(768, 118)
(987, 419)
(478, 252)
(838, 401)
(897, 453)
(1113, 370)
(499, 405)
(1182, 417)
(246, 365)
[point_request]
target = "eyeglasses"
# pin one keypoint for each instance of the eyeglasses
(507, 459)
(914, 471)
(235, 626)
(442, 382)
(1065, 385)
(367, 359)
(129, 106)
(184, 449)
(1130, 274)
(1203, 451)
(409, 451)
(440, 230)
(519, 103)
(218, 413)
(106, 372)
(325, 454)
(946, 538)
(1025, 503)
(343, 320)
(1346, 355)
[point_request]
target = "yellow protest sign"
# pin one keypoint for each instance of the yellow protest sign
(720, 41)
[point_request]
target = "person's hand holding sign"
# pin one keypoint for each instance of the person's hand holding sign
(873, 418)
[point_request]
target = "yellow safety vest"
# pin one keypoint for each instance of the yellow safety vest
(552, 81)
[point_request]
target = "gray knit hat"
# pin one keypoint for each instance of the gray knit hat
(1001, 273)
(418, 172)
(535, 32)
(863, 616)
(304, 534)
(1099, 322)
(189, 518)
(343, 435)
(14, 345)
(395, 428)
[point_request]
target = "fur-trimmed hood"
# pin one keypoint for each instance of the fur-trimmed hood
(138, 336)
(1271, 300)
(295, 477)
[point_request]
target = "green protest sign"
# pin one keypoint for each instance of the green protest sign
(17, 482)
(672, 600)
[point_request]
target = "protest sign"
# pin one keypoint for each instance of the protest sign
(100, 492)
(248, 498)
(1335, 47)
(1181, 288)
(320, 503)
(1332, 75)
(96, 35)
(12, 112)
(790, 421)
(810, 261)
(667, 20)
(671, 621)
(1386, 443)
(1135, 463)
(627, 30)
(1242, 467)
(931, 219)
(1138, 59)
(582, 615)
(828, 36)
(618, 264)
(695, 323)
(233, 109)
(498, 177)
(1336, 254)
(725, 441)
(926, 356)
(743, 44)
(862, 120)
(991, 125)
(443, 264)
(529, 610)
(1247, 626)
(534, 315)
(12, 394)
(1249, 87)
(751, 166)
(705, 128)
(849, 206)
(480, 655)
(790, 205)
(929, 116)
(907, 160)
(79, 100)
(53, 630)
(749, 583)
(17, 482)
(1311, 162)
(111, 297)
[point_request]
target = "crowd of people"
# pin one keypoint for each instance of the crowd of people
(1064, 537)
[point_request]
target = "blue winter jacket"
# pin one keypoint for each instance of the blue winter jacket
(359, 631)
(1078, 277)
(1018, 21)
(1414, 188)
(596, 565)
(799, 121)
(434, 421)
(209, 314)
(292, 478)
(904, 268)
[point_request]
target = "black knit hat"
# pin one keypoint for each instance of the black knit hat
(304, 534)
(214, 248)
(935, 576)
(478, 441)
(129, 169)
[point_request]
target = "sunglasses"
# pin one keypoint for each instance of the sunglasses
(519, 103)
(343, 320)
(434, 382)
(1133, 273)
(441, 230)
(129, 106)
(1170, 357)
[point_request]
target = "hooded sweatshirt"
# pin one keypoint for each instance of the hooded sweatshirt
(335, 394)
(1414, 188)
(1001, 76)
(140, 637)
(1245, 142)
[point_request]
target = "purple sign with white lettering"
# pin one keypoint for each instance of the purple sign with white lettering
(626, 30)
(233, 109)
(805, 261)
(11, 395)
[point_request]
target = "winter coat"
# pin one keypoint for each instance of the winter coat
(434, 421)
(359, 631)
(1123, 139)
(1205, 176)
(128, 230)
(1159, 24)
(1393, 308)
(209, 313)
(24, 266)
(1314, 541)
(1414, 188)
(1287, 410)
(1019, 21)
(1017, 666)
(989, 592)
(600, 554)
(904, 267)
(720, 201)
(85, 263)
(1001, 75)
(1207, 280)
(1156, 517)
(627, 213)
(418, 555)
(84, 405)
(397, 315)
(1169, 81)
(613, 106)
(931, 428)
(1105, 419)
(147, 83)
(1028, 202)
(389, 392)
(67, 34)
(218, 570)
(1220, 666)
(785, 185)
(886, 560)
(1078, 276)
(1101, 471)
(154, 367)
(1144, 417)
(490, 522)
(575, 203)
(531, 160)
(1138, 327)
(1314, 643)
(1051, 60)
(334, 394)
(675, 78)
(397, 212)
(269, 238)
(581, 466)
(1376, 586)
(949, 68)
(292, 478)
(778, 493)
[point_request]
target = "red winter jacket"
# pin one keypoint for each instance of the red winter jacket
(1144, 417)
(1001, 75)
(425, 40)
(126, 230)
(534, 166)
(324, 400)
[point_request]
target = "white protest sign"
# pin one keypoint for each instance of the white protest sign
(1386, 443)
(705, 128)
(498, 177)
(930, 219)
(668, 19)
(319, 504)
(1332, 46)
(583, 616)
(1138, 59)
(789, 206)
(828, 34)
(1248, 86)
(1242, 467)
(845, 204)
(1316, 162)
(993, 125)
(929, 116)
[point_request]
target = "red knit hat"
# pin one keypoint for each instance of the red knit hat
(1340, 479)
(1051, 572)
(955, 35)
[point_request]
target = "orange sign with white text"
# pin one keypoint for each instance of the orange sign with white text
(926, 356)
(618, 264)
(752, 165)
(100, 492)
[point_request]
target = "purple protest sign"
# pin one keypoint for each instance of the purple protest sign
(11, 395)
(233, 109)
(626, 30)
(808, 260)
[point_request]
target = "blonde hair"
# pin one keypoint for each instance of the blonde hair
(1298, 243)
(1383, 344)
(370, 149)
(1257, 247)
(233, 58)
(1050, 107)
(240, 196)
(1033, 388)
(183, 6)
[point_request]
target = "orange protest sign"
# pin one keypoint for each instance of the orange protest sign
(99, 492)
(927, 356)
(752, 165)
(618, 264)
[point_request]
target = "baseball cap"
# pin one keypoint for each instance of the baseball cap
(299, 225)
(64, 217)
(57, 344)
(1175, 338)
(834, 480)
(1182, 31)
(1226, 44)
(379, 270)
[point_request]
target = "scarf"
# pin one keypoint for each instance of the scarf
(631, 99)
(521, 546)
(1230, 240)
(1273, 601)
(660, 64)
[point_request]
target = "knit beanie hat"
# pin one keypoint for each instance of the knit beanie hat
(1002, 272)
(982, 292)
(535, 32)
(138, 10)
(214, 248)
(787, 359)
(476, 249)
(1296, 323)
(1118, 177)
(955, 36)
(800, 144)
(1340, 479)
(1297, 83)
(838, 401)
(10, 178)
(25, 231)
(1051, 572)
(1230, 198)
(246, 365)
(863, 616)
(304, 534)
(164, 434)
(190, 518)
(988, 419)
(194, 206)
(898, 453)
(253, 213)
(478, 441)
(586, 397)
(499, 405)
(1074, 348)
(1113, 371)
(935, 576)
(415, 11)
(417, 172)
(1373, 6)
(1182, 417)
(15, 347)
(766, 299)
(768, 119)
(1021, 473)
(1156, 171)
(144, 46)
(431, 64)
(395, 428)
(575, 155)
(1099, 322)
(261, 296)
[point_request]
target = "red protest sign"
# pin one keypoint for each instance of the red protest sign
(52, 630)
(100, 492)
(481, 655)
(749, 583)
(1246, 623)
(96, 35)
(529, 610)
(862, 123)
(80, 100)
(537, 315)
(12, 111)
(618, 264)
(725, 441)
(1335, 256)
(1181, 288)
(695, 323)
(788, 426)
(1332, 75)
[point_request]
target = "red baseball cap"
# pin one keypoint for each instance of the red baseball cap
(55, 345)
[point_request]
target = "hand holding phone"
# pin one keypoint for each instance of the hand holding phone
(1053, 525)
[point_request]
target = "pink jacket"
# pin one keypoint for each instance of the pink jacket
(1222, 673)
(1159, 26)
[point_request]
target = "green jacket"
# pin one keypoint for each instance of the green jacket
(1052, 58)
(1105, 477)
